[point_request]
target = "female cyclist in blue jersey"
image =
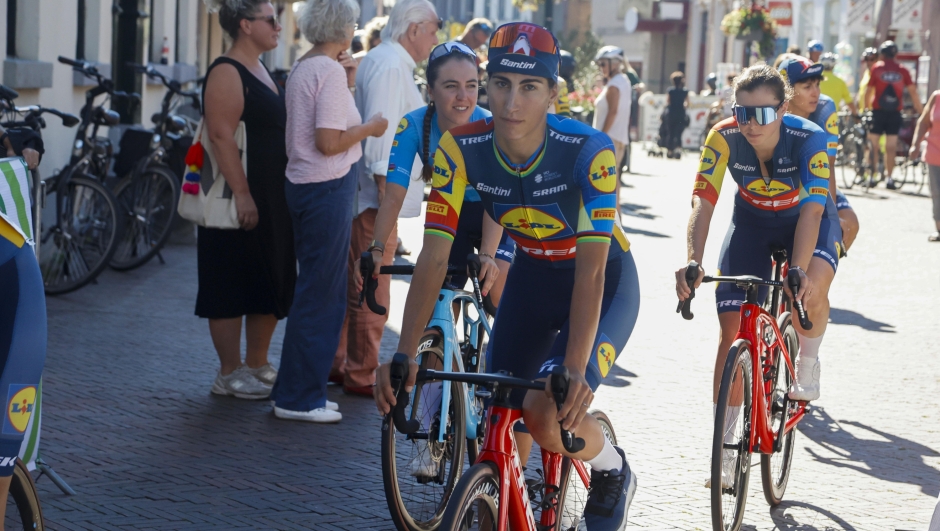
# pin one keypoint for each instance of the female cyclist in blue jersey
(452, 86)
(780, 165)
(808, 102)
(572, 294)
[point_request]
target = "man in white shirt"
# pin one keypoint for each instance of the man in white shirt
(384, 84)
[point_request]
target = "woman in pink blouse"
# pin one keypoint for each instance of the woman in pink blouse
(928, 127)
(324, 131)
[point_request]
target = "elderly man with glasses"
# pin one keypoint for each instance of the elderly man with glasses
(476, 33)
(384, 84)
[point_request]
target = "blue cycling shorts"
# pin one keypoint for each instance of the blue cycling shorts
(22, 344)
(842, 202)
(748, 246)
(530, 333)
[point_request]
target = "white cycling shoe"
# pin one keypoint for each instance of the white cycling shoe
(727, 471)
(806, 385)
(424, 465)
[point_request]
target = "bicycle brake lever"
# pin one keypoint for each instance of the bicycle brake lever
(559, 384)
(691, 274)
(794, 282)
(398, 376)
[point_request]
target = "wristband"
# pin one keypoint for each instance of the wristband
(376, 246)
(352, 88)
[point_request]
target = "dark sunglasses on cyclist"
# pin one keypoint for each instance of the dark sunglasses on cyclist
(448, 48)
(270, 19)
(762, 115)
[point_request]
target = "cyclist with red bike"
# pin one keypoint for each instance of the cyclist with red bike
(572, 295)
(781, 167)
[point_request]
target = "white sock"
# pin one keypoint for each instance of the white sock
(809, 347)
(430, 403)
(608, 459)
(731, 418)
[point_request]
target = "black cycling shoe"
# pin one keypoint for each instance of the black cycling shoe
(890, 185)
(609, 500)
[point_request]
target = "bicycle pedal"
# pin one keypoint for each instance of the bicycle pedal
(485, 394)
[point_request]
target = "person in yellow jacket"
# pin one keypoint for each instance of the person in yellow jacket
(832, 85)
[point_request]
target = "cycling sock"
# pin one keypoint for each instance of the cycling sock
(430, 403)
(809, 346)
(731, 418)
(608, 459)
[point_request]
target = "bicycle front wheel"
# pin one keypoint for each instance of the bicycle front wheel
(23, 510)
(419, 471)
(147, 201)
(775, 468)
(731, 454)
(79, 245)
(474, 504)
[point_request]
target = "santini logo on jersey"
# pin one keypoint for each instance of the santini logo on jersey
(744, 167)
(475, 139)
(566, 138)
(517, 64)
(495, 190)
(550, 191)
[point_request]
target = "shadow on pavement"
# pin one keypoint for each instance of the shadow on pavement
(641, 232)
(636, 211)
(617, 377)
(881, 455)
(801, 516)
(848, 317)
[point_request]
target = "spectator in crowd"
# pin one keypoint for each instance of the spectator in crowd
(324, 131)
(928, 126)
(677, 118)
(612, 106)
(726, 96)
(711, 85)
(247, 274)
(371, 36)
(384, 84)
(815, 49)
(356, 45)
(476, 34)
(794, 49)
(869, 58)
(832, 85)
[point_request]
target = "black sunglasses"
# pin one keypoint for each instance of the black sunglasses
(270, 19)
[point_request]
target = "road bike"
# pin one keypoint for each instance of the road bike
(754, 413)
(23, 508)
(148, 195)
(494, 494)
(420, 469)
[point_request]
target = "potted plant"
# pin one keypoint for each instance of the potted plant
(752, 24)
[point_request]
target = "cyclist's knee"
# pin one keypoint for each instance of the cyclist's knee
(538, 413)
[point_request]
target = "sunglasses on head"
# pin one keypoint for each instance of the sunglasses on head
(448, 48)
(270, 19)
(763, 115)
(537, 37)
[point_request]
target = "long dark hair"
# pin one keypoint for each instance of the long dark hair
(433, 71)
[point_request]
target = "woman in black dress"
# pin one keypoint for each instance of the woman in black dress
(250, 271)
(678, 120)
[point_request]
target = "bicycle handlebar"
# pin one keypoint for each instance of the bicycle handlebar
(794, 282)
(369, 283)
(171, 84)
(399, 370)
(691, 273)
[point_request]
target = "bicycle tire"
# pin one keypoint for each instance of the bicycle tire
(572, 496)
(775, 468)
(148, 200)
(86, 199)
(25, 511)
(401, 488)
(478, 488)
(738, 362)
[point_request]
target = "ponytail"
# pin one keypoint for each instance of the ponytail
(427, 171)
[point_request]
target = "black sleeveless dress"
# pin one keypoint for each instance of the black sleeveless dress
(253, 272)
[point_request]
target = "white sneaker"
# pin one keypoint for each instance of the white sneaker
(332, 406)
(320, 415)
(424, 465)
(241, 384)
(265, 373)
(727, 471)
(806, 385)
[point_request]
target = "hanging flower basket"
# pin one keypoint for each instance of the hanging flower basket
(752, 24)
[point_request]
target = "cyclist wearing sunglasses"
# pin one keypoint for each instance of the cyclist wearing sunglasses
(781, 167)
(572, 294)
(808, 102)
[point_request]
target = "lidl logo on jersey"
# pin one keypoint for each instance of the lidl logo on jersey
(606, 354)
(537, 223)
(832, 124)
(774, 188)
(402, 125)
(444, 168)
(21, 399)
(708, 160)
(603, 171)
(819, 165)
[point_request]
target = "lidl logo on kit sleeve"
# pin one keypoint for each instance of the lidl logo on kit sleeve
(20, 402)
(819, 165)
(603, 174)
(402, 125)
(832, 124)
(606, 354)
(707, 161)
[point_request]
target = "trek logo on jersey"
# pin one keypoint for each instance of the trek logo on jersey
(819, 165)
(603, 171)
(796, 132)
(20, 402)
(832, 124)
(772, 189)
(707, 161)
(402, 125)
(550, 191)
(444, 168)
(606, 354)
(437, 208)
(566, 138)
(604, 214)
(475, 139)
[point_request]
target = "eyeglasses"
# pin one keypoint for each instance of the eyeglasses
(539, 38)
(762, 115)
(448, 48)
(439, 22)
(485, 28)
(270, 19)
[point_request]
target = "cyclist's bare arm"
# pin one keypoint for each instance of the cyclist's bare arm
(804, 243)
(489, 272)
(915, 98)
(696, 236)
(923, 124)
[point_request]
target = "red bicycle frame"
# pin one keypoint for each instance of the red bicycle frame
(499, 448)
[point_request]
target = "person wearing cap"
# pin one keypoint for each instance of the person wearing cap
(832, 85)
(885, 95)
(476, 33)
(808, 102)
(814, 49)
(572, 294)
(868, 59)
(612, 105)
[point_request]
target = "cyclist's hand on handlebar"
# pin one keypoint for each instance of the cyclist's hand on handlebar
(489, 272)
(377, 257)
(577, 402)
(682, 287)
(383, 393)
(806, 286)
(31, 156)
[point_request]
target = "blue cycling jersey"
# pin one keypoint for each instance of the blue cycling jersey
(826, 117)
(409, 144)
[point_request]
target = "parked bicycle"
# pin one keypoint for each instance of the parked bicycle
(148, 195)
(754, 413)
(420, 469)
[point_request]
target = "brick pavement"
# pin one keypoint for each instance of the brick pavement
(130, 424)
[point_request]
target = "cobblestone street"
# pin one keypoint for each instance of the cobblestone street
(129, 423)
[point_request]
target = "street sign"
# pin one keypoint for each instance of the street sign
(907, 14)
(781, 12)
(861, 16)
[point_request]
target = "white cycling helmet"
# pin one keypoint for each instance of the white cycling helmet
(610, 52)
(828, 60)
